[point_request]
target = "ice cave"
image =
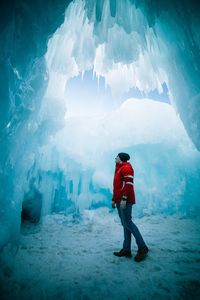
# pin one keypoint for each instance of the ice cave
(80, 82)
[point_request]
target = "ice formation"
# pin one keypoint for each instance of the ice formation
(67, 162)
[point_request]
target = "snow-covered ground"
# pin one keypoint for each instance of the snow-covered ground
(60, 259)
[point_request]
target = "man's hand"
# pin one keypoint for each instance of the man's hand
(113, 204)
(123, 202)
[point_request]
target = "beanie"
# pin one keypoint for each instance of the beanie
(124, 156)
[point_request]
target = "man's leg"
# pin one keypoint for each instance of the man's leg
(127, 232)
(130, 226)
(127, 239)
(126, 250)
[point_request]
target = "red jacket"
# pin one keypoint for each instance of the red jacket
(123, 182)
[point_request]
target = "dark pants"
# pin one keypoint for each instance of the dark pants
(129, 227)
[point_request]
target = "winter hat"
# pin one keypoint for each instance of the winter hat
(124, 156)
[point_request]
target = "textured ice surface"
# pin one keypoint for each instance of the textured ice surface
(79, 160)
(134, 45)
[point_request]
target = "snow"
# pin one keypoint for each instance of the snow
(62, 258)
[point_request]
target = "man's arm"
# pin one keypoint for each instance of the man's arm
(127, 174)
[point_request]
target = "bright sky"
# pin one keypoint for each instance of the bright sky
(88, 95)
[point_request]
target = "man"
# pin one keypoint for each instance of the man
(124, 198)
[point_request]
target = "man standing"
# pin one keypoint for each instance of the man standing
(124, 198)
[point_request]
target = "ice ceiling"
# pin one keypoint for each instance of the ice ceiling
(53, 151)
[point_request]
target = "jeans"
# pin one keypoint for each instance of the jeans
(129, 227)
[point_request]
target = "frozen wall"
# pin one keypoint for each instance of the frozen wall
(138, 44)
(160, 33)
(79, 160)
(121, 40)
(25, 28)
(128, 53)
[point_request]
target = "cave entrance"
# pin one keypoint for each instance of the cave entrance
(93, 66)
(31, 208)
(108, 93)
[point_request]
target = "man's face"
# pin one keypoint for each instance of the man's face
(118, 160)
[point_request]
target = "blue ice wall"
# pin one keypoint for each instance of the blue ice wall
(25, 30)
(176, 28)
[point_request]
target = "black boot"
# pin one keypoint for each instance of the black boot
(141, 254)
(123, 252)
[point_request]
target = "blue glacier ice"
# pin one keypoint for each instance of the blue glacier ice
(57, 145)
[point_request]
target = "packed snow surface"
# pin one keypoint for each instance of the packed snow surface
(65, 259)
